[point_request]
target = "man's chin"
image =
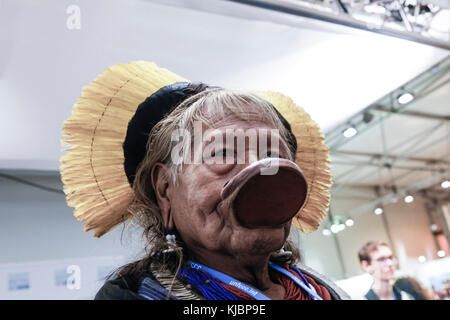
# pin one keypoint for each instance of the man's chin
(275, 233)
(389, 277)
(260, 240)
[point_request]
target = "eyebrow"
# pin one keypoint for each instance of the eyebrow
(391, 256)
(283, 149)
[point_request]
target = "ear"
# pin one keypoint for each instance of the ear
(162, 184)
(365, 266)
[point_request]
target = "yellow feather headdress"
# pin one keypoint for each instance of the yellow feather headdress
(93, 171)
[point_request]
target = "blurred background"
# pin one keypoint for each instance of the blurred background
(375, 75)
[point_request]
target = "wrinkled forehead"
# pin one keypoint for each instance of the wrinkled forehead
(245, 121)
(238, 126)
(237, 114)
(227, 109)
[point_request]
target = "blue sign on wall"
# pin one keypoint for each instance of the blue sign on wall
(61, 278)
(18, 281)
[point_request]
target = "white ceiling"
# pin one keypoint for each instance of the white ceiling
(414, 142)
(331, 71)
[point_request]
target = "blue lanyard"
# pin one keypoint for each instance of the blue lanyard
(305, 286)
(249, 290)
(229, 280)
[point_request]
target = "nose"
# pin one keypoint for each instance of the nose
(259, 199)
(251, 156)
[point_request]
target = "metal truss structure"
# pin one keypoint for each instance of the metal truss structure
(404, 162)
(424, 21)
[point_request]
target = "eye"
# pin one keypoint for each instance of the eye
(271, 154)
(222, 161)
(224, 153)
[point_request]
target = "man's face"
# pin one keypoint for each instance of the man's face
(195, 201)
(381, 265)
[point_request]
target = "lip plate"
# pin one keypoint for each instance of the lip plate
(266, 201)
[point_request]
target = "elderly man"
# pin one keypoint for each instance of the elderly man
(215, 177)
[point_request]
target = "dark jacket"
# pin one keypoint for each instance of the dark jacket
(398, 295)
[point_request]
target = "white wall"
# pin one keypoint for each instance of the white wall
(38, 225)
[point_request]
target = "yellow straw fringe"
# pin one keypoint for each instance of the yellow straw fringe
(93, 172)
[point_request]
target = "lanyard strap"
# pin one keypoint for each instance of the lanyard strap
(251, 291)
(305, 286)
(229, 280)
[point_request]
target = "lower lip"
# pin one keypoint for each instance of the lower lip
(252, 206)
(264, 227)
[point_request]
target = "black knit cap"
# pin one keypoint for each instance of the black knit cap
(153, 110)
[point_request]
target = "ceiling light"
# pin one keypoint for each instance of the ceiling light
(335, 228)
(445, 184)
(350, 132)
(422, 259)
(405, 98)
(441, 253)
(326, 232)
(378, 211)
(408, 199)
(375, 9)
(349, 222)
